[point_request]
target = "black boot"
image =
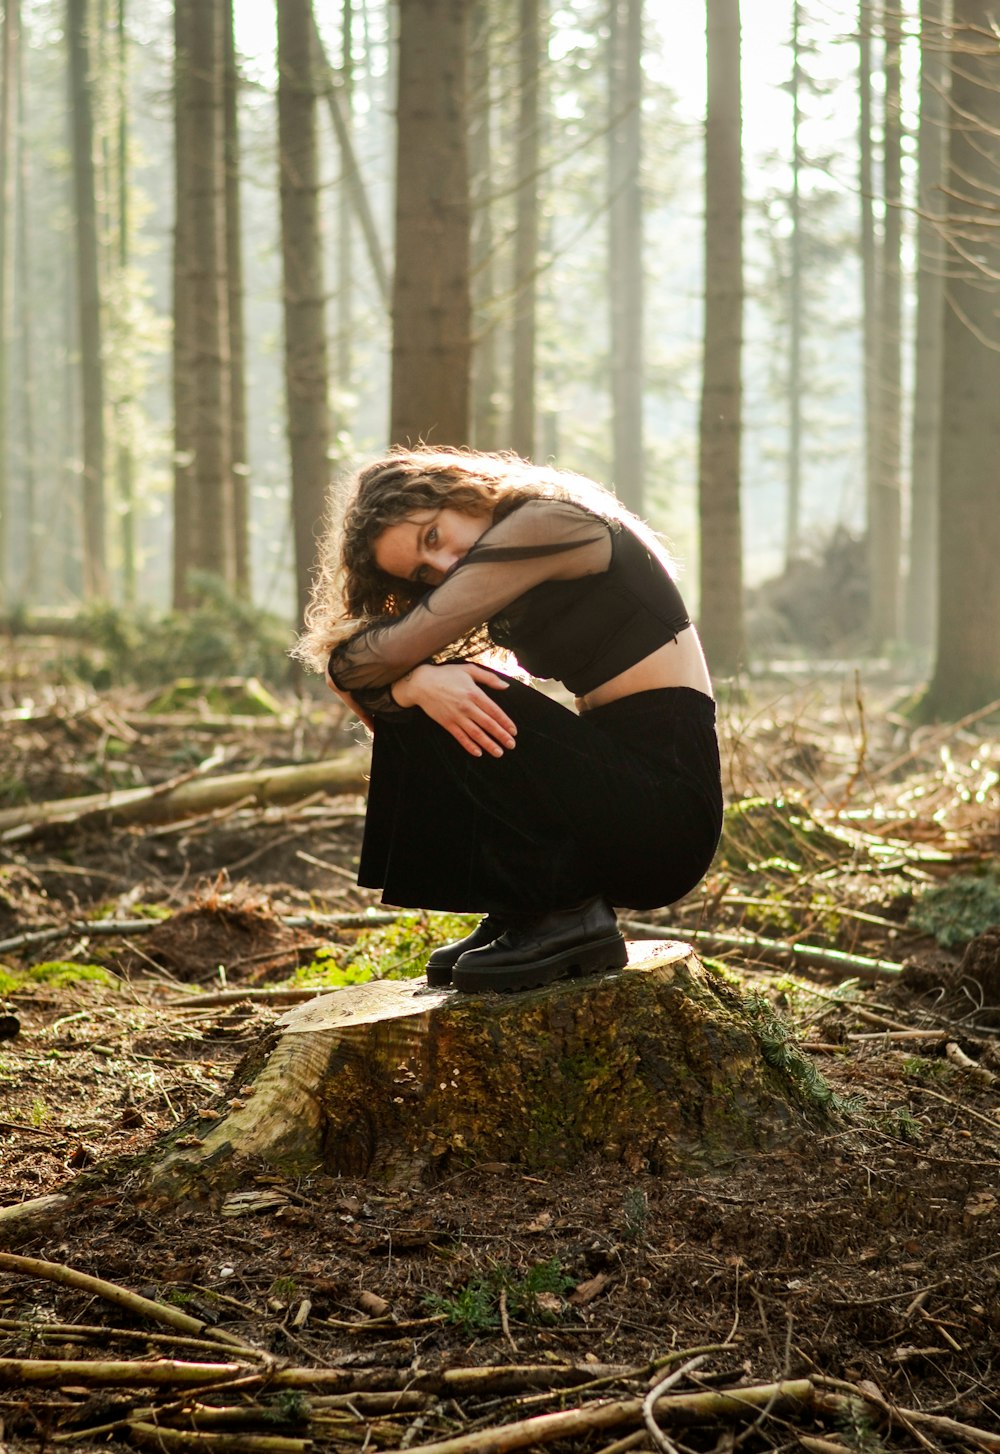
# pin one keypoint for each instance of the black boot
(442, 961)
(564, 942)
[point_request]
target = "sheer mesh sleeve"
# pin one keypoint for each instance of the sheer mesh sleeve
(539, 541)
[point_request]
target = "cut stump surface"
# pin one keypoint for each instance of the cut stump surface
(655, 1066)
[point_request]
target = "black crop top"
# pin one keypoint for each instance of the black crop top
(574, 596)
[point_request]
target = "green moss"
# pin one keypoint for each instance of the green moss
(397, 951)
(55, 973)
(956, 911)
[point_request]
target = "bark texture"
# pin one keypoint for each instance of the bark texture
(431, 344)
(306, 365)
(88, 299)
(212, 543)
(653, 1067)
(625, 251)
(921, 584)
(967, 670)
(885, 504)
(720, 430)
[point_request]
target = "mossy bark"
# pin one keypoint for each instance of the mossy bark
(655, 1066)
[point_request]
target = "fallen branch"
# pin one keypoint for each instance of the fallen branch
(694, 1408)
(932, 742)
(162, 1437)
(143, 1307)
(779, 952)
(166, 803)
(167, 1372)
(129, 928)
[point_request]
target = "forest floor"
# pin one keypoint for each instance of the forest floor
(867, 1256)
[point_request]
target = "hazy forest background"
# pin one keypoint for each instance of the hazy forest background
(753, 282)
(225, 274)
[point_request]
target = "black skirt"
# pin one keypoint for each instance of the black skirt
(623, 800)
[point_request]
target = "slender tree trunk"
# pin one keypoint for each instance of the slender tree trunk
(522, 424)
(8, 175)
(183, 342)
(25, 294)
(625, 252)
(967, 669)
(234, 280)
(306, 370)
(345, 252)
(354, 187)
(485, 372)
(921, 584)
(70, 526)
(885, 523)
(869, 253)
(123, 432)
(431, 346)
(88, 300)
(212, 546)
(793, 543)
(721, 571)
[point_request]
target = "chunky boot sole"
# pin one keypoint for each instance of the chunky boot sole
(442, 961)
(591, 957)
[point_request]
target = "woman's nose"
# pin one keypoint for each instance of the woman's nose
(441, 561)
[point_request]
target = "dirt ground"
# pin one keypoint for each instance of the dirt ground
(865, 1253)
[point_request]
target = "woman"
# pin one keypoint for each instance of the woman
(486, 795)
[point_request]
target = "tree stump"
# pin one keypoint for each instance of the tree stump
(654, 1066)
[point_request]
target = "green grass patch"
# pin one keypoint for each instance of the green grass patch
(475, 1307)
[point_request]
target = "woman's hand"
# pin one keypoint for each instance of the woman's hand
(453, 695)
(346, 697)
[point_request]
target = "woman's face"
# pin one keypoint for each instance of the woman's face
(425, 546)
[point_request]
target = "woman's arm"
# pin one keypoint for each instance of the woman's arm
(540, 540)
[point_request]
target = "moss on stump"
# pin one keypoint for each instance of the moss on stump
(655, 1066)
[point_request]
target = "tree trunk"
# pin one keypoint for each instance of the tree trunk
(306, 371)
(625, 252)
(353, 184)
(431, 345)
(88, 300)
(234, 302)
(34, 535)
(884, 524)
(212, 544)
(921, 583)
(485, 376)
(8, 205)
(721, 570)
(183, 343)
(793, 543)
(125, 463)
(869, 253)
(654, 1067)
(345, 250)
(967, 670)
(522, 423)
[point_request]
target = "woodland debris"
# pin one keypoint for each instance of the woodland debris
(184, 798)
(778, 952)
(143, 1307)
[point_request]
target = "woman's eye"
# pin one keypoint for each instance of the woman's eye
(432, 535)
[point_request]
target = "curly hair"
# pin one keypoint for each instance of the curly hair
(349, 591)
